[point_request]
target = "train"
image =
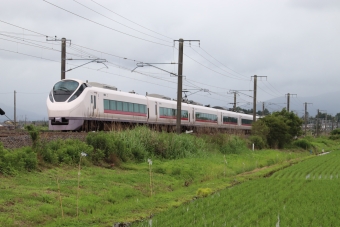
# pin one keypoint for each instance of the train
(72, 104)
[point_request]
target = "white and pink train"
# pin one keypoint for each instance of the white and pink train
(72, 102)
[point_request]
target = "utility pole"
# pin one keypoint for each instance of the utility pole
(179, 85)
(317, 124)
(63, 58)
(179, 88)
(63, 54)
(332, 123)
(236, 92)
(234, 107)
(262, 109)
(288, 100)
(306, 117)
(15, 109)
(254, 98)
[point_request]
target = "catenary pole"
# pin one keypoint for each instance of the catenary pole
(179, 86)
(63, 58)
(317, 124)
(254, 98)
(234, 107)
(15, 109)
(263, 109)
(306, 117)
(288, 102)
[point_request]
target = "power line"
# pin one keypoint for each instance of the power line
(131, 20)
(136, 37)
(210, 68)
(119, 22)
(23, 28)
(220, 62)
(28, 55)
(211, 62)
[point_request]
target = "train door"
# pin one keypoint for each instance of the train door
(93, 105)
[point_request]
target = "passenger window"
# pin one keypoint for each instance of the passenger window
(130, 107)
(142, 108)
(125, 107)
(106, 104)
(119, 106)
(113, 105)
(135, 108)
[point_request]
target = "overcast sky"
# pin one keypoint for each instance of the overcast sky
(295, 43)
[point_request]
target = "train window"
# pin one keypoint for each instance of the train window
(119, 105)
(184, 114)
(64, 89)
(113, 105)
(135, 108)
(130, 107)
(161, 111)
(91, 99)
(125, 106)
(94, 102)
(246, 122)
(106, 104)
(78, 93)
(142, 108)
(232, 120)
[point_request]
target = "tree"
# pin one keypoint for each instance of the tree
(283, 127)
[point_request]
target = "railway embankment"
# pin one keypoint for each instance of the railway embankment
(17, 139)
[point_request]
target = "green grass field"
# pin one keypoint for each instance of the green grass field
(305, 194)
(112, 195)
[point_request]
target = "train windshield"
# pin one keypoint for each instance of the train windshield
(64, 89)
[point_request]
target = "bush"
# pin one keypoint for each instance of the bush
(12, 162)
(258, 142)
(334, 137)
(303, 143)
(66, 151)
(335, 131)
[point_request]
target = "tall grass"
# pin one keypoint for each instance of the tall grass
(140, 143)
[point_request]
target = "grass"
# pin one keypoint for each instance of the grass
(305, 194)
(112, 195)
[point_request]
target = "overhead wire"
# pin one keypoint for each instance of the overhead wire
(131, 21)
(95, 50)
(120, 23)
(105, 26)
(213, 63)
(210, 68)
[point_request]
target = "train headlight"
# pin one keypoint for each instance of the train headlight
(51, 96)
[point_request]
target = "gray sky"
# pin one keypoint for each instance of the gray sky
(295, 43)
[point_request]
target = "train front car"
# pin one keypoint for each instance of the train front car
(64, 98)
